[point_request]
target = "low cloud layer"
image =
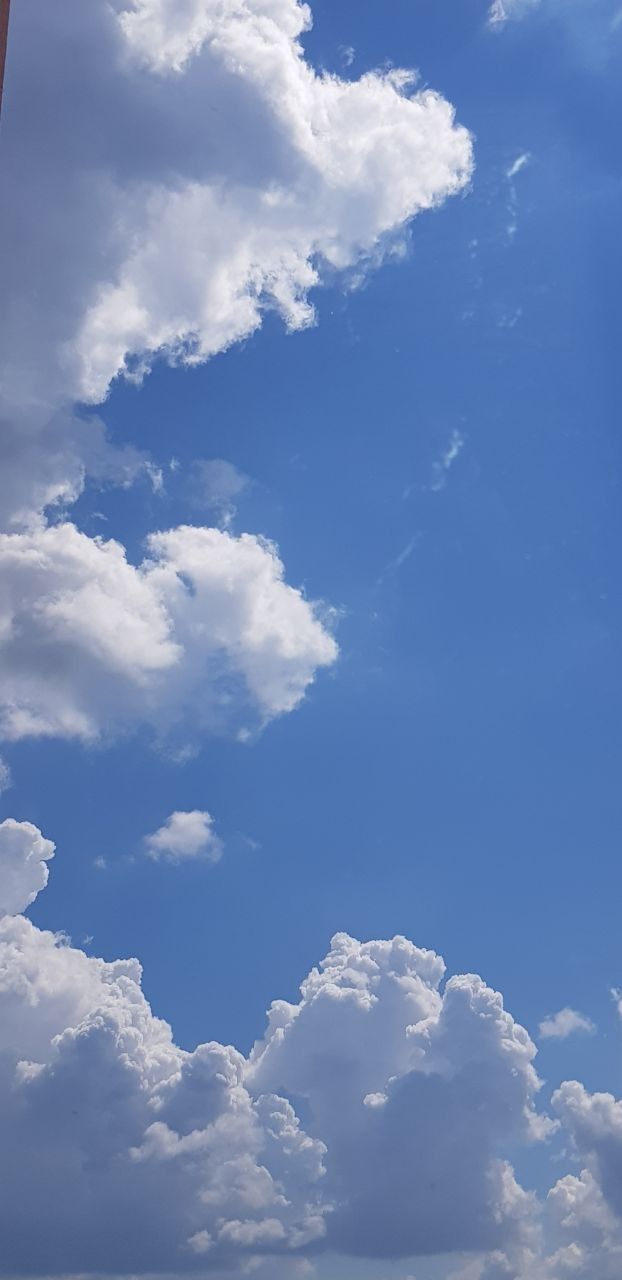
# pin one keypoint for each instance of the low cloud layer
(413, 1089)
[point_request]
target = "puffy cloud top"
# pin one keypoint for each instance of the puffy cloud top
(185, 835)
(24, 854)
(413, 1091)
(244, 175)
(205, 632)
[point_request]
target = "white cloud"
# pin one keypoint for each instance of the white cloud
(585, 1211)
(521, 162)
(24, 855)
(204, 634)
(558, 1026)
(446, 461)
(245, 175)
(244, 179)
(103, 1117)
(185, 836)
(413, 1091)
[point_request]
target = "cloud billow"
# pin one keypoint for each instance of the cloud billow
(195, 172)
(414, 1090)
(203, 636)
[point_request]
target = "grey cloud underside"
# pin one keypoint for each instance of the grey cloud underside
(123, 1154)
(104, 1117)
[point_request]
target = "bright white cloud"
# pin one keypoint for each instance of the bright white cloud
(558, 1026)
(585, 1211)
(361, 158)
(204, 634)
(243, 175)
(24, 855)
(518, 165)
(184, 836)
(412, 1088)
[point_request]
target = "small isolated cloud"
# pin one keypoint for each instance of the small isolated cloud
(520, 163)
(6, 779)
(347, 54)
(185, 836)
(445, 462)
(216, 485)
(501, 11)
(558, 1026)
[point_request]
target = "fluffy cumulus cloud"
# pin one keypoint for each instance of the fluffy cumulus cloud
(195, 172)
(586, 1210)
(409, 1089)
(203, 634)
(415, 1089)
(103, 1118)
(24, 855)
(242, 178)
(374, 1119)
(185, 836)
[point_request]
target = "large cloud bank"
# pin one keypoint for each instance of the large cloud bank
(195, 171)
(124, 1154)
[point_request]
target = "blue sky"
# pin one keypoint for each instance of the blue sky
(438, 460)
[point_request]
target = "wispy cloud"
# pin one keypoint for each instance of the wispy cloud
(440, 469)
(511, 173)
(518, 164)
